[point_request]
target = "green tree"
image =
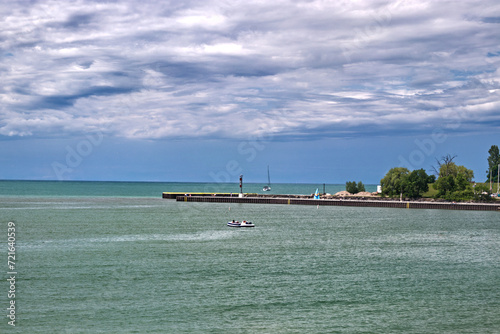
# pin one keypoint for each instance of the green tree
(351, 187)
(445, 165)
(454, 182)
(395, 181)
(361, 187)
(468, 174)
(462, 181)
(354, 188)
(445, 184)
(417, 183)
(493, 162)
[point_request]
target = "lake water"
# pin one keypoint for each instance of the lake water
(101, 257)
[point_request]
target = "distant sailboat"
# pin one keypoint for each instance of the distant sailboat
(268, 187)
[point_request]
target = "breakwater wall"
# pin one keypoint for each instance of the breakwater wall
(174, 195)
(219, 198)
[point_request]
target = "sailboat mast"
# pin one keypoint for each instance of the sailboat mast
(268, 187)
(268, 177)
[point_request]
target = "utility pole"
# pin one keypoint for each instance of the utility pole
(498, 180)
(491, 187)
(241, 185)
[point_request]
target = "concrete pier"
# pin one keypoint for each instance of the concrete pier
(221, 198)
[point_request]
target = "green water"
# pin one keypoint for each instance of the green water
(114, 264)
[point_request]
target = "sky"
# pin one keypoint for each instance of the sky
(203, 91)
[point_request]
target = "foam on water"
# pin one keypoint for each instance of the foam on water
(104, 241)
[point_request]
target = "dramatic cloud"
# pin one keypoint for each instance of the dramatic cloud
(170, 69)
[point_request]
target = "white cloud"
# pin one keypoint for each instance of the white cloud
(211, 69)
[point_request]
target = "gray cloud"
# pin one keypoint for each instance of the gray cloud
(213, 69)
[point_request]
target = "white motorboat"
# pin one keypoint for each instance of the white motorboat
(240, 224)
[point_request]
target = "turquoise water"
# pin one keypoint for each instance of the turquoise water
(152, 189)
(108, 263)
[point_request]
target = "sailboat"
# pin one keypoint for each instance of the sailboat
(268, 187)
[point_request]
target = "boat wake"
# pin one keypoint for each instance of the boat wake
(95, 242)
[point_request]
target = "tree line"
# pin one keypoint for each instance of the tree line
(453, 182)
